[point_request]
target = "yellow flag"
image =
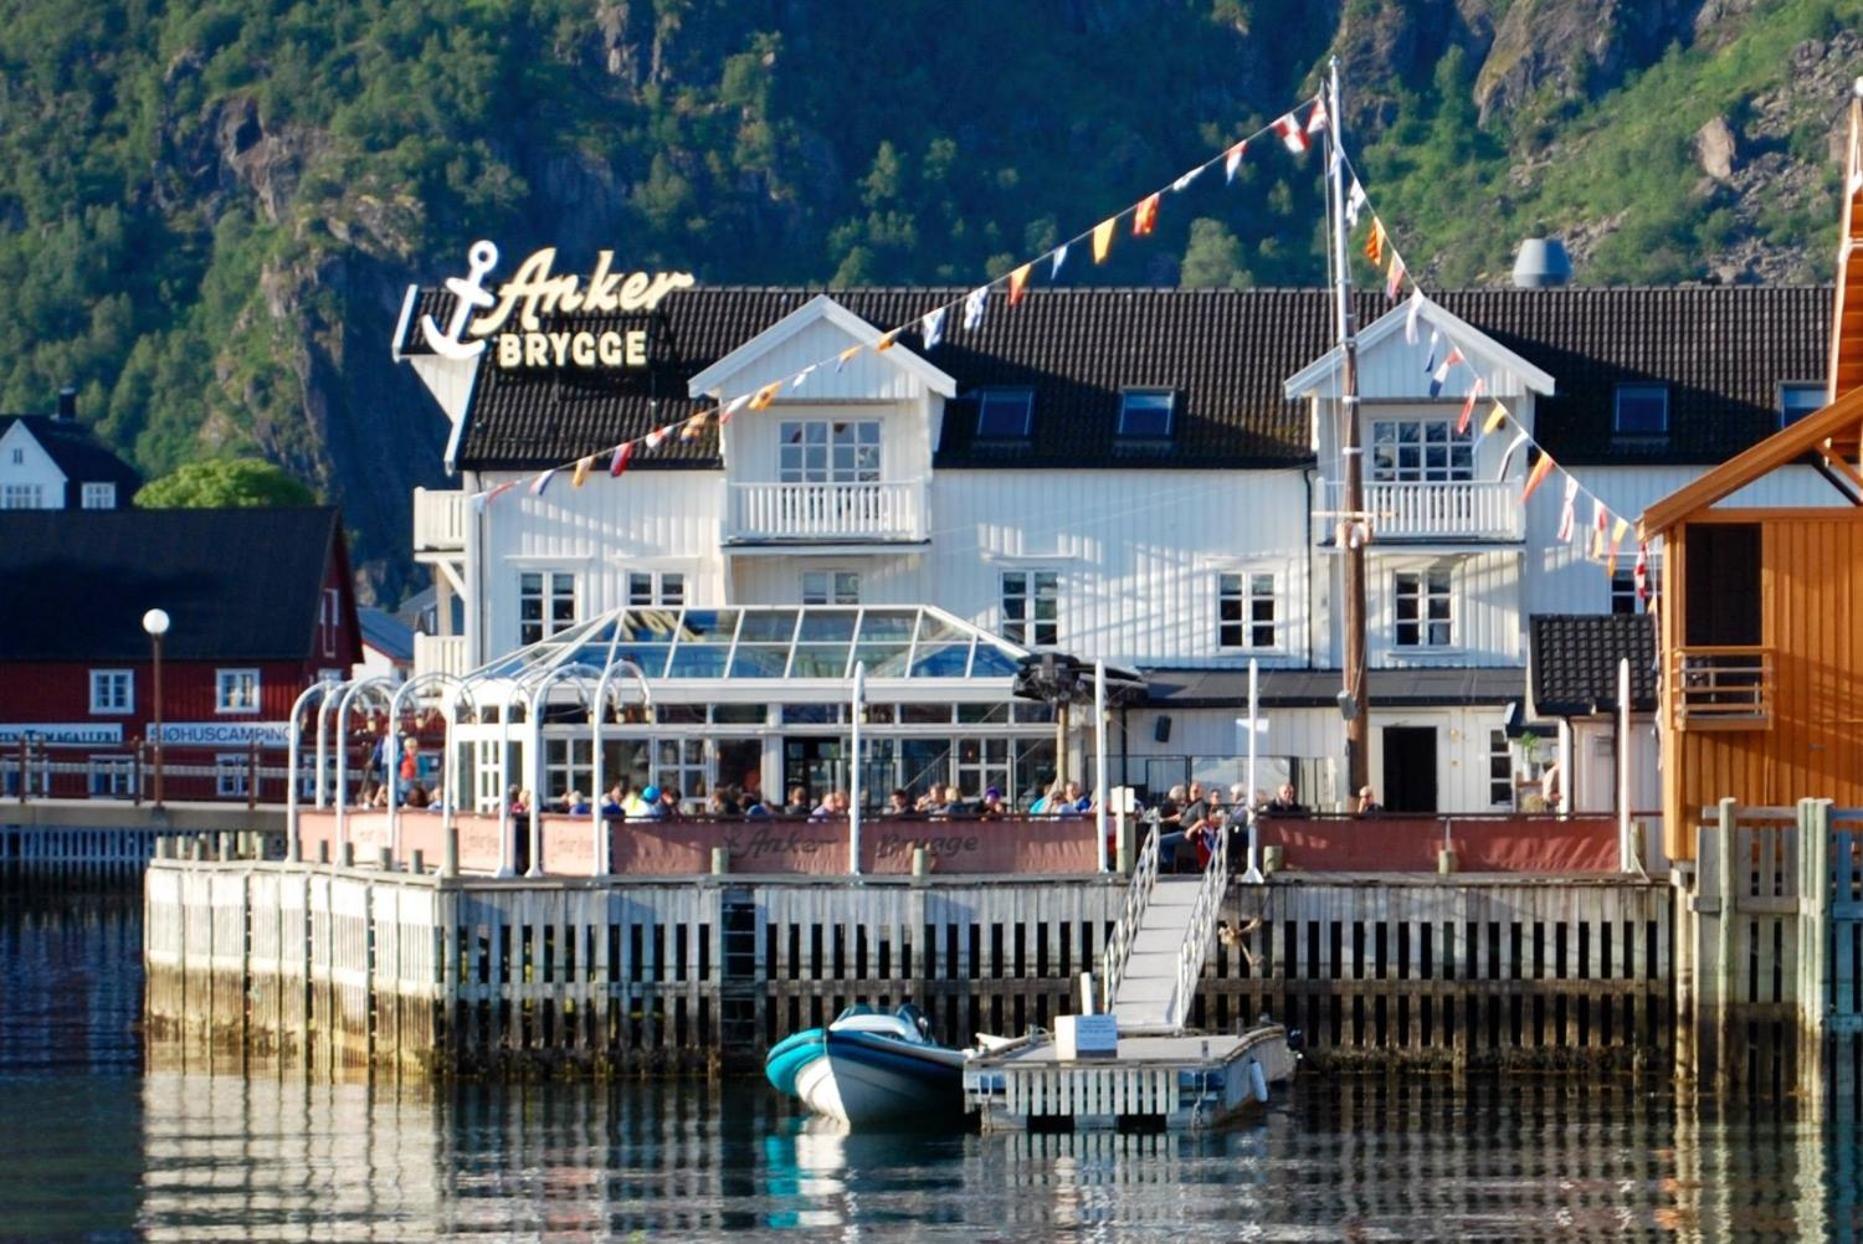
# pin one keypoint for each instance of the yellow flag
(766, 395)
(886, 342)
(1374, 243)
(840, 360)
(1018, 284)
(1537, 476)
(582, 471)
(695, 425)
(1145, 219)
(1617, 537)
(1103, 238)
(1495, 419)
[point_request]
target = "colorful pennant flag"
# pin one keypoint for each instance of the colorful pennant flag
(932, 327)
(1394, 285)
(695, 426)
(1103, 238)
(1183, 183)
(1599, 524)
(1292, 136)
(1232, 160)
(762, 398)
(795, 381)
(974, 303)
(654, 437)
(1416, 313)
(500, 491)
(581, 476)
(1355, 203)
(1060, 257)
(624, 452)
(1468, 405)
(1537, 475)
(731, 408)
(542, 482)
(1496, 418)
(1441, 374)
(886, 341)
(1145, 219)
(1507, 459)
(1568, 518)
(1429, 364)
(1374, 243)
(1641, 575)
(1618, 530)
(840, 360)
(1018, 284)
(1316, 120)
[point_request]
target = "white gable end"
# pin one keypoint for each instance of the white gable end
(816, 333)
(34, 470)
(1391, 368)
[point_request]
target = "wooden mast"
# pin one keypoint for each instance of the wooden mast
(1353, 700)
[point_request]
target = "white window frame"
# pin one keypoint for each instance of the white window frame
(682, 762)
(1022, 622)
(986, 398)
(229, 774)
(225, 680)
(1426, 591)
(110, 681)
(1624, 585)
(831, 587)
(1500, 749)
(22, 496)
(1791, 411)
(112, 777)
(97, 496)
(1617, 412)
(1146, 395)
(332, 610)
(830, 451)
(19, 456)
(1402, 450)
(1244, 588)
(549, 594)
(648, 589)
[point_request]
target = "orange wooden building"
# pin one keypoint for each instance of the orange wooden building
(1761, 631)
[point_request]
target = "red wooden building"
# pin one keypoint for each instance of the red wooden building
(259, 602)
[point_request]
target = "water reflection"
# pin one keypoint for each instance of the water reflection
(104, 1136)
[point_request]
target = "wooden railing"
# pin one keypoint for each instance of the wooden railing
(879, 511)
(439, 520)
(439, 654)
(1721, 688)
(1434, 509)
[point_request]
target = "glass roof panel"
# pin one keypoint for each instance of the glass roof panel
(935, 629)
(889, 625)
(992, 662)
(647, 626)
(826, 624)
(698, 661)
(883, 660)
(759, 660)
(707, 626)
(819, 661)
(760, 627)
(941, 660)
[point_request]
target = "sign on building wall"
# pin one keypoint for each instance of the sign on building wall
(224, 733)
(511, 320)
(63, 733)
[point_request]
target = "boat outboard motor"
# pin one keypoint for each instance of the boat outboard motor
(912, 1015)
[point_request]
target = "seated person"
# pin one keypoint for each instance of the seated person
(1285, 804)
(832, 808)
(992, 807)
(574, 804)
(798, 804)
(417, 796)
(1368, 804)
(897, 804)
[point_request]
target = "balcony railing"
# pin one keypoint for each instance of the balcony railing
(439, 654)
(1722, 688)
(439, 521)
(1432, 510)
(816, 513)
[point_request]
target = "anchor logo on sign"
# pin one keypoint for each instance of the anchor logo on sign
(469, 293)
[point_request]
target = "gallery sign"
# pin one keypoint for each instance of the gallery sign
(225, 733)
(512, 318)
(62, 733)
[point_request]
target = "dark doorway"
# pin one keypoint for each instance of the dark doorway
(1723, 589)
(1410, 768)
(817, 764)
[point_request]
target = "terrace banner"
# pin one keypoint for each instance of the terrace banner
(1516, 844)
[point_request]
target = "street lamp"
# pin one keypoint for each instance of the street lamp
(155, 622)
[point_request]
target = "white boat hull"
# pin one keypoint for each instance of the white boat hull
(856, 1089)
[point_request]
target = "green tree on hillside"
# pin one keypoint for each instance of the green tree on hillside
(220, 483)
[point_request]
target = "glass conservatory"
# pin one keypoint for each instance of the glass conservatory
(756, 698)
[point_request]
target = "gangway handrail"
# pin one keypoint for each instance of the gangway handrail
(1131, 916)
(1198, 930)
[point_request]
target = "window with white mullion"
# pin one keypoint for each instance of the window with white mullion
(1423, 607)
(830, 587)
(1031, 607)
(646, 588)
(546, 604)
(828, 451)
(1420, 451)
(113, 691)
(1246, 609)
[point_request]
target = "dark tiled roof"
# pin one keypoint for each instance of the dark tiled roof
(1574, 662)
(1284, 688)
(79, 454)
(1723, 351)
(240, 584)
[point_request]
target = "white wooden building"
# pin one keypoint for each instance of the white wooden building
(1148, 477)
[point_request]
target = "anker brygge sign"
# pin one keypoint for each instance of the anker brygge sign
(512, 319)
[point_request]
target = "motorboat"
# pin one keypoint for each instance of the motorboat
(869, 1069)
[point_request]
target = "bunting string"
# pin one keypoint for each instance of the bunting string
(933, 324)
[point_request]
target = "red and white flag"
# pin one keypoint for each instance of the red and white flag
(1441, 374)
(1316, 120)
(1288, 127)
(1232, 161)
(1600, 522)
(1641, 575)
(624, 453)
(1394, 284)
(1468, 405)
(1568, 523)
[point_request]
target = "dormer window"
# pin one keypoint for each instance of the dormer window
(1005, 414)
(98, 496)
(1798, 398)
(1147, 414)
(1642, 412)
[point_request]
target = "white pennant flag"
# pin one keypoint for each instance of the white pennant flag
(974, 303)
(1233, 161)
(1410, 321)
(932, 327)
(1355, 203)
(804, 374)
(1507, 459)
(1429, 364)
(1568, 524)
(1293, 137)
(1183, 183)
(1316, 121)
(1060, 257)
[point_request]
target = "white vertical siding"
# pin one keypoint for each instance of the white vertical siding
(867, 377)
(1486, 610)
(36, 467)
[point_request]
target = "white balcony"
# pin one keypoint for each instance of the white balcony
(1449, 510)
(439, 521)
(882, 513)
(439, 654)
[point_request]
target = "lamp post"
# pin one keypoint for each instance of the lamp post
(155, 622)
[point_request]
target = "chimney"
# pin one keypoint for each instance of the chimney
(68, 402)
(1542, 264)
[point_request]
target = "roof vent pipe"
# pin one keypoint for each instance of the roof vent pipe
(1542, 264)
(68, 402)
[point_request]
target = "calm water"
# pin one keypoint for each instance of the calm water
(99, 1137)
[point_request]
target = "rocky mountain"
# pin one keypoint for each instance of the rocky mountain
(209, 210)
